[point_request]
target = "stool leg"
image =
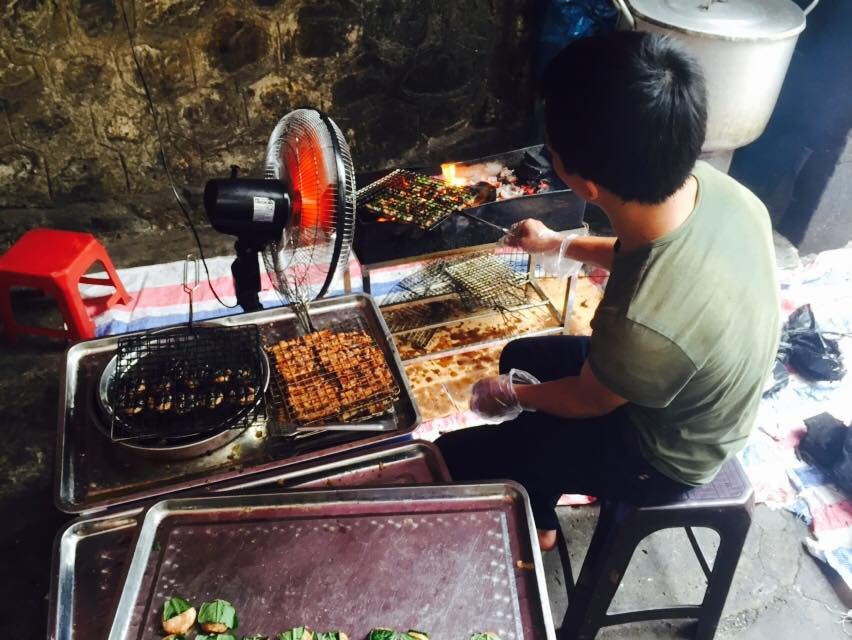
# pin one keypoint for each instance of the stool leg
(80, 325)
(565, 561)
(120, 294)
(603, 568)
(731, 541)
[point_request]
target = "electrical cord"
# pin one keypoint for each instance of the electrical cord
(164, 157)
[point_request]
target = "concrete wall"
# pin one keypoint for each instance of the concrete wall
(405, 80)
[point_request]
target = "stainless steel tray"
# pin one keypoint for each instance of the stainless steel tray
(90, 555)
(450, 560)
(93, 473)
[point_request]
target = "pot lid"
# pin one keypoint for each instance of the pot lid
(728, 19)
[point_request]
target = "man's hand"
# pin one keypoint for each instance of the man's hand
(533, 236)
(495, 399)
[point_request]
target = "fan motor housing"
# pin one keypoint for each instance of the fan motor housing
(253, 208)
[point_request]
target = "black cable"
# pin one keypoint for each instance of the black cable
(164, 158)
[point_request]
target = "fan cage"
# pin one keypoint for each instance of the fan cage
(308, 151)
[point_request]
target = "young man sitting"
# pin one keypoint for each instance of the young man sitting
(667, 387)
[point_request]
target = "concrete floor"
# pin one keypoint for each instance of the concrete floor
(780, 592)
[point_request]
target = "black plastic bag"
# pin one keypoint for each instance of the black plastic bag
(807, 351)
(827, 445)
(777, 380)
(824, 443)
(842, 475)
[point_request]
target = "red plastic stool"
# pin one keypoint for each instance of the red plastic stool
(55, 262)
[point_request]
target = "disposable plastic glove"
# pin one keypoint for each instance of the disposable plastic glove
(494, 399)
(556, 263)
(547, 246)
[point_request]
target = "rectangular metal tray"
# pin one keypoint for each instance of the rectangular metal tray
(94, 473)
(451, 560)
(90, 555)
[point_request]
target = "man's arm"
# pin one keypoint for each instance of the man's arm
(533, 236)
(582, 396)
(592, 250)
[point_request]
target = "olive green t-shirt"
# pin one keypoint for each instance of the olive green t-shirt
(688, 329)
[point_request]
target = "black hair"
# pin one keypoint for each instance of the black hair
(627, 110)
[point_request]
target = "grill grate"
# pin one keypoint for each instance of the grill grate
(473, 275)
(188, 381)
(330, 377)
(406, 196)
(485, 281)
(448, 287)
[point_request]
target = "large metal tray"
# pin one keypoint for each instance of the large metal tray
(90, 555)
(94, 474)
(451, 560)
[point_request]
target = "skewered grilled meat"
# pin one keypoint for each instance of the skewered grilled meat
(184, 403)
(313, 399)
(133, 387)
(160, 402)
(329, 375)
(246, 396)
(221, 376)
(131, 405)
(295, 358)
(196, 376)
(213, 399)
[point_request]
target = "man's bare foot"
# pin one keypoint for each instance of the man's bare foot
(547, 539)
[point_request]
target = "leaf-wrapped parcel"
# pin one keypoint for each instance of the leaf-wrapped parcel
(217, 617)
(389, 634)
(296, 633)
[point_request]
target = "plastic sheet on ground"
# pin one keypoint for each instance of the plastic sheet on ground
(779, 477)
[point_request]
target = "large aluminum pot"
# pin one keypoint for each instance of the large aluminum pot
(744, 47)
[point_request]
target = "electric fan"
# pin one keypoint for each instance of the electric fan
(300, 217)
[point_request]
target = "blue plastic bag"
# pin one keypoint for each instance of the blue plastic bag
(564, 21)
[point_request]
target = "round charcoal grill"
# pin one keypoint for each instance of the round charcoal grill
(184, 391)
(178, 447)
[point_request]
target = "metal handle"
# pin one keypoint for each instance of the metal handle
(810, 7)
(190, 285)
(622, 8)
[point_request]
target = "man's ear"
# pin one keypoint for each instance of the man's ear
(586, 189)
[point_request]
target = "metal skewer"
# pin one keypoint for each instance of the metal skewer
(470, 216)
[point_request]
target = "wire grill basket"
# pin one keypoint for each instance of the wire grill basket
(187, 381)
(485, 281)
(473, 276)
(406, 196)
(329, 377)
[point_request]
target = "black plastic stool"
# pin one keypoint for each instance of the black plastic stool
(724, 505)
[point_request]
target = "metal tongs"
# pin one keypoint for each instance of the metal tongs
(355, 426)
(470, 216)
(190, 282)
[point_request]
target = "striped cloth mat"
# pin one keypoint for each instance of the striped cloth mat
(779, 477)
